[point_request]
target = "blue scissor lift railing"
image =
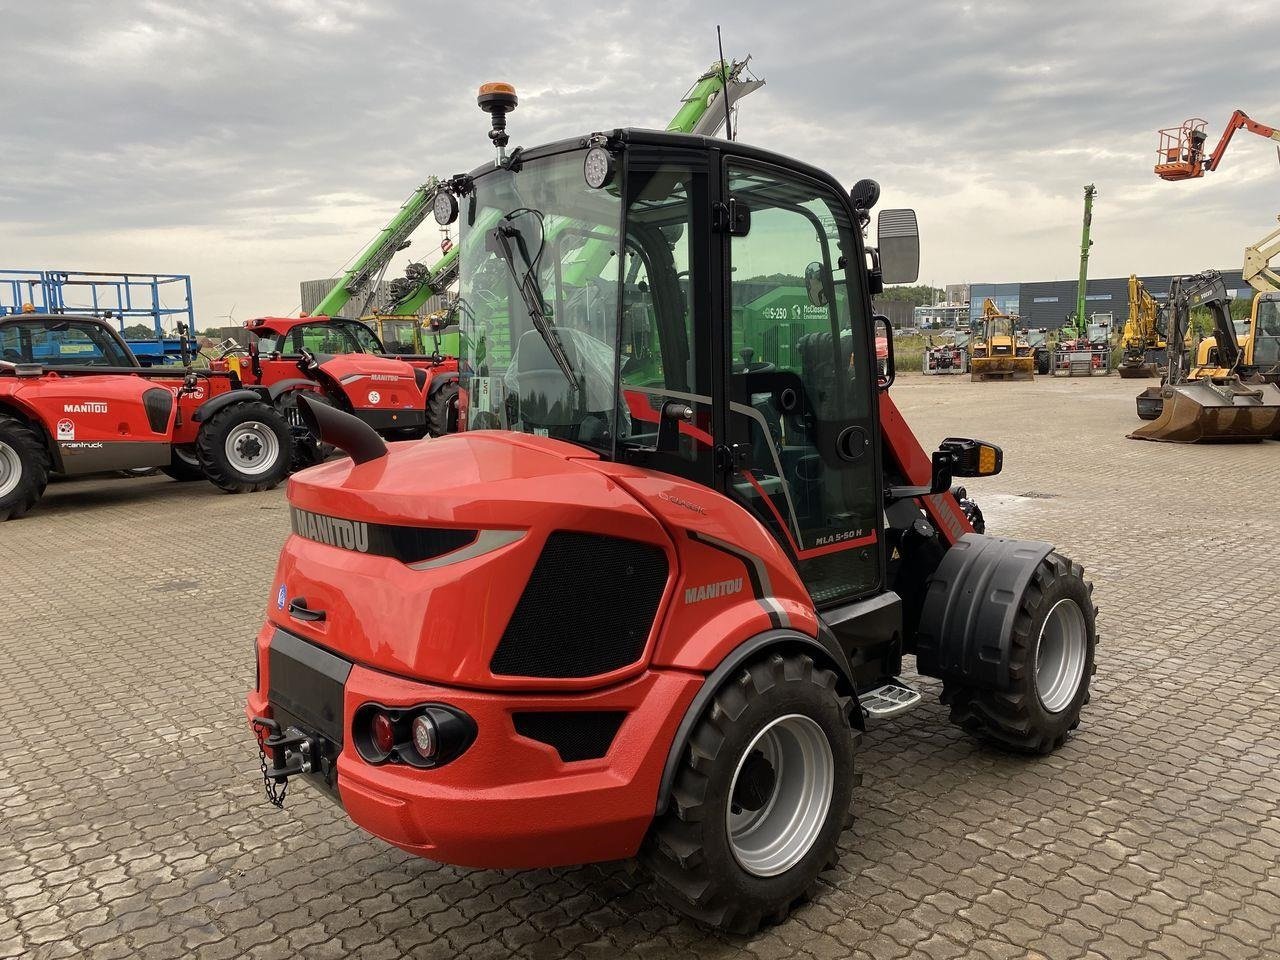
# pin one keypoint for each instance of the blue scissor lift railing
(158, 300)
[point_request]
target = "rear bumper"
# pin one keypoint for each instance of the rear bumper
(510, 801)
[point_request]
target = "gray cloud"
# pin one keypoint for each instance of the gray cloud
(257, 144)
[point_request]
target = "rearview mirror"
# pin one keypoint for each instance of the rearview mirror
(815, 284)
(898, 239)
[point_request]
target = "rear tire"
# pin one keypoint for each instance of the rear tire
(245, 447)
(442, 410)
(24, 467)
(760, 799)
(1051, 661)
(184, 464)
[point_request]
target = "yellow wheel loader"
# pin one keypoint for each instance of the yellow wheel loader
(998, 350)
(1233, 402)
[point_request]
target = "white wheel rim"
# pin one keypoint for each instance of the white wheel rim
(252, 448)
(1060, 656)
(787, 817)
(10, 469)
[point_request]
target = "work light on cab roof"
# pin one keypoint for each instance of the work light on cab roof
(498, 99)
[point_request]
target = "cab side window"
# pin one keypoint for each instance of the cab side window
(801, 382)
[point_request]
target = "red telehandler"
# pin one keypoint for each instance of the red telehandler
(74, 400)
(649, 612)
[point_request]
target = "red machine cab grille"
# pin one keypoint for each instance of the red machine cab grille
(587, 609)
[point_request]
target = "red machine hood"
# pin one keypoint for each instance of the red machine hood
(442, 621)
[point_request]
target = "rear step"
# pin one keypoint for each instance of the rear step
(889, 700)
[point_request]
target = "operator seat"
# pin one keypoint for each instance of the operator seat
(543, 399)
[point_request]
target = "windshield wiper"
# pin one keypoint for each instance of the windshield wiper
(501, 237)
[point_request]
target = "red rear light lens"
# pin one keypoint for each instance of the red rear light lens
(383, 732)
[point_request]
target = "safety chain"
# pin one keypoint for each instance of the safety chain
(275, 791)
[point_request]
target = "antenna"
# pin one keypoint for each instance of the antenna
(724, 72)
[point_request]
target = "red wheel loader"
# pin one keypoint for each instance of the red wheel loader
(646, 600)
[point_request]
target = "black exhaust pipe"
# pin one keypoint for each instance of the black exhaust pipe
(349, 434)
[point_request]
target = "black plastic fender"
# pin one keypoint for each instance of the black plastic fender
(827, 649)
(437, 382)
(214, 404)
(288, 386)
(966, 620)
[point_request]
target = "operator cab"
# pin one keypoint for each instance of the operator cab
(693, 306)
(56, 340)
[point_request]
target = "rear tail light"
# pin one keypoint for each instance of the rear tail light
(383, 732)
(423, 736)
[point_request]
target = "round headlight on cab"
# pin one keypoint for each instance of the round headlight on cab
(445, 207)
(597, 168)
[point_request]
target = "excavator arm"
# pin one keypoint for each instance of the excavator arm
(1258, 272)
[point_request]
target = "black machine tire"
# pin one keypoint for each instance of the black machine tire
(307, 449)
(1042, 362)
(1017, 718)
(442, 410)
(211, 445)
(184, 464)
(24, 451)
(689, 850)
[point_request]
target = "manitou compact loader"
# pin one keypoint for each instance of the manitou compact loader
(649, 608)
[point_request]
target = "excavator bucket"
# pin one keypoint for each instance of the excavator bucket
(1217, 410)
(1137, 371)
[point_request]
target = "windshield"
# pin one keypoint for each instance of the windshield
(325, 336)
(62, 343)
(538, 304)
(1266, 338)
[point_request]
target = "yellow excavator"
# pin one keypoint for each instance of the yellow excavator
(1142, 342)
(1259, 344)
(1235, 405)
(998, 350)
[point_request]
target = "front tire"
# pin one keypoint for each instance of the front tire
(245, 447)
(24, 467)
(442, 410)
(184, 464)
(1051, 661)
(760, 798)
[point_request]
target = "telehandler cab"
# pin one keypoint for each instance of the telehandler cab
(646, 600)
(74, 400)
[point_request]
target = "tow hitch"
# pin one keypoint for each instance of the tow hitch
(293, 752)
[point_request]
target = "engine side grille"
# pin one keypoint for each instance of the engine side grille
(587, 609)
(576, 735)
(159, 404)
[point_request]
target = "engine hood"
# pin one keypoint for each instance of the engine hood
(419, 558)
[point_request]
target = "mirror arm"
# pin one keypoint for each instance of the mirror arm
(875, 276)
(940, 482)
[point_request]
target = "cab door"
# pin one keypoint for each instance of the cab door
(799, 433)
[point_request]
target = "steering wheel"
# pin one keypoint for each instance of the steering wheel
(747, 366)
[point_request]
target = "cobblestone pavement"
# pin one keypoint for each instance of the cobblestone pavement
(134, 823)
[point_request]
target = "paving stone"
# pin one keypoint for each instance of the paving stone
(134, 825)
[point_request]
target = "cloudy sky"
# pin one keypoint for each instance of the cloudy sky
(256, 144)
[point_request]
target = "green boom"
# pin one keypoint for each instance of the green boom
(1082, 287)
(702, 111)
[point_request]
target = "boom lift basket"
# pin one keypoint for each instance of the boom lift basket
(1212, 410)
(1181, 152)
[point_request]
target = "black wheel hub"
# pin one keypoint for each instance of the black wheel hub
(755, 783)
(250, 448)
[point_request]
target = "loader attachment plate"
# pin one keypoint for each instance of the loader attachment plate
(1217, 410)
